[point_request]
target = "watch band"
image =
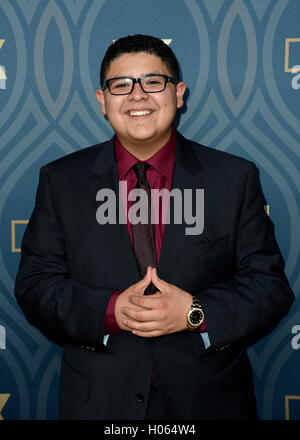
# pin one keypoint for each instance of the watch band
(196, 302)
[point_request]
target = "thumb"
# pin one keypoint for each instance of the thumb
(158, 282)
(144, 282)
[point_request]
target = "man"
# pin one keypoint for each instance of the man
(177, 351)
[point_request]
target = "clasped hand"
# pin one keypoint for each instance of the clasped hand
(153, 315)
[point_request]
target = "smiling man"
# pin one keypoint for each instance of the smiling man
(141, 117)
(154, 322)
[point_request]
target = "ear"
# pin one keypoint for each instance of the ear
(180, 90)
(101, 99)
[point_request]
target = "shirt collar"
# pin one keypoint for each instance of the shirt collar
(162, 161)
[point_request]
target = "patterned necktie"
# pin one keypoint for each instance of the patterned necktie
(143, 234)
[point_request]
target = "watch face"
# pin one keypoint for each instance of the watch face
(196, 317)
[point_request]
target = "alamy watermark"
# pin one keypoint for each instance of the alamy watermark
(296, 339)
(296, 78)
(187, 206)
(2, 338)
(3, 76)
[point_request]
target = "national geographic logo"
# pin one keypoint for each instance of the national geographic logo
(3, 76)
(291, 45)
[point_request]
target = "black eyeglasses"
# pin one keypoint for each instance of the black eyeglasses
(152, 83)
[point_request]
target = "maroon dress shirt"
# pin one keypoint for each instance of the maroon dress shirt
(159, 176)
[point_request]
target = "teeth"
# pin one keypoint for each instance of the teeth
(140, 113)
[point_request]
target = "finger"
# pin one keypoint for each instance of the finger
(143, 327)
(150, 334)
(140, 315)
(148, 302)
(144, 282)
(158, 282)
(148, 277)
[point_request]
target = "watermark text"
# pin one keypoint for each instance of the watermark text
(295, 342)
(296, 78)
(185, 206)
(2, 338)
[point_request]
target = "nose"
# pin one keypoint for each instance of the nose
(137, 92)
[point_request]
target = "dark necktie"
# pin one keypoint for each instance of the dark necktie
(143, 234)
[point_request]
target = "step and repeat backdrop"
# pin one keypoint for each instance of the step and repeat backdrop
(241, 62)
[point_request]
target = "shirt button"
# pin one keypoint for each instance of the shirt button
(139, 397)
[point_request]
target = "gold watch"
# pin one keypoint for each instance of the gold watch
(195, 316)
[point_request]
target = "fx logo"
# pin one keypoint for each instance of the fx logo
(3, 76)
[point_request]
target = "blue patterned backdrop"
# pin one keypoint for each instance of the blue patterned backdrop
(241, 62)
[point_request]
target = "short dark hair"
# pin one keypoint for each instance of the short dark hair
(140, 43)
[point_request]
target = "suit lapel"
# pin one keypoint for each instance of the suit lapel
(185, 176)
(105, 176)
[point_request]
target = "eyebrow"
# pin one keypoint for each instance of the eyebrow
(145, 74)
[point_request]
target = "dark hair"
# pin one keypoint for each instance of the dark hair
(140, 43)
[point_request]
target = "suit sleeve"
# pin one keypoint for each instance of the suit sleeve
(64, 309)
(258, 292)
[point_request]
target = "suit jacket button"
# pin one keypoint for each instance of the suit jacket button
(139, 397)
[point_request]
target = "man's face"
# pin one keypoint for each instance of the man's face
(152, 125)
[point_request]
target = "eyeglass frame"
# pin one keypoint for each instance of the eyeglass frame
(139, 80)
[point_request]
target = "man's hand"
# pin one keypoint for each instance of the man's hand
(123, 299)
(159, 314)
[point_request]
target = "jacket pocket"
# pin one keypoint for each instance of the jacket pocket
(201, 247)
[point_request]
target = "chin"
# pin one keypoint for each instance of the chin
(145, 136)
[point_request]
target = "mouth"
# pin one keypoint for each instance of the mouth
(139, 113)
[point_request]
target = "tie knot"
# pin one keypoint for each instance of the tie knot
(140, 170)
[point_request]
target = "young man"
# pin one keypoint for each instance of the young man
(177, 351)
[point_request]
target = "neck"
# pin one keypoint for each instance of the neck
(144, 149)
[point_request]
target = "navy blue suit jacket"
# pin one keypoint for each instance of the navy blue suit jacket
(70, 266)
